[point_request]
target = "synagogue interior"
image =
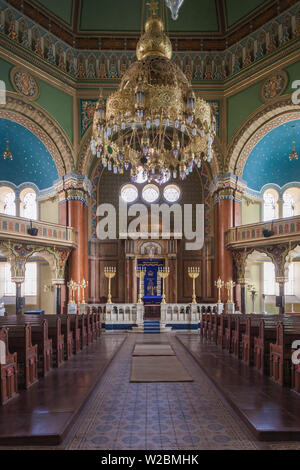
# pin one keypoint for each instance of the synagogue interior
(149, 225)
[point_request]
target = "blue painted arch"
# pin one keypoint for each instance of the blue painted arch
(31, 159)
(269, 160)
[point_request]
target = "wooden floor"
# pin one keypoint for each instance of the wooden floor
(43, 414)
(271, 412)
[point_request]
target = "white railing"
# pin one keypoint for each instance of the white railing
(124, 314)
(100, 308)
(186, 313)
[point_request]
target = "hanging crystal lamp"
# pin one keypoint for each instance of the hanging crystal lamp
(293, 155)
(174, 6)
(153, 124)
(7, 153)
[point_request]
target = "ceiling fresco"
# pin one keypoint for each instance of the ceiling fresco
(269, 160)
(31, 160)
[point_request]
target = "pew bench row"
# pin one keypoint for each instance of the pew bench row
(266, 342)
(32, 345)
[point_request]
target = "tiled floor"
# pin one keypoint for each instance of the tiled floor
(124, 415)
(159, 416)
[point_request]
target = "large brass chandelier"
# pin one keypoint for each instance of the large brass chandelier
(153, 124)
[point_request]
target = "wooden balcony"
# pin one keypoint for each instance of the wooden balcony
(285, 230)
(16, 228)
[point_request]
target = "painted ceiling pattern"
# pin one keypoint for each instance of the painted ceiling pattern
(31, 162)
(269, 161)
(102, 65)
(95, 15)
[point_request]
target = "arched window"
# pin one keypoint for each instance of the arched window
(270, 205)
(7, 201)
(291, 202)
(270, 286)
(289, 288)
(28, 206)
(288, 205)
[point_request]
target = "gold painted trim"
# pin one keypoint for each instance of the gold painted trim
(12, 74)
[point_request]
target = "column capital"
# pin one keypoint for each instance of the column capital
(227, 186)
(73, 187)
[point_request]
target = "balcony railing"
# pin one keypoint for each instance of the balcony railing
(16, 228)
(287, 229)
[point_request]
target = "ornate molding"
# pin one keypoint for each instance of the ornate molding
(260, 123)
(40, 123)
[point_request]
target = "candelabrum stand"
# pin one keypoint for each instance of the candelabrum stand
(230, 304)
(83, 285)
(253, 293)
(193, 274)
(140, 274)
(219, 284)
(72, 285)
(163, 274)
(109, 273)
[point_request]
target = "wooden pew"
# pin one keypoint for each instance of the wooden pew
(261, 347)
(75, 328)
(66, 332)
(229, 328)
(239, 329)
(39, 336)
(221, 330)
(55, 333)
(9, 371)
(83, 330)
(216, 323)
(281, 352)
(251, 330)
(89, 331)
(19, 341)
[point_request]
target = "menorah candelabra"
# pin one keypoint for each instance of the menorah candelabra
(229, 287)
(109, 273)
(163, 274)
(140, 274)
(83, 285)
(72, 285)
(253, 293)
(219, 285)
(194, 273)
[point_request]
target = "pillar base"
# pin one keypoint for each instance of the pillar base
(72, 309)
(230, 309)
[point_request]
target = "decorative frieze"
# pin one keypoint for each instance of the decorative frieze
(106, 65)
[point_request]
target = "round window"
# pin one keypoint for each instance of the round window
(150, 193)
(171, 193)
(129, 193)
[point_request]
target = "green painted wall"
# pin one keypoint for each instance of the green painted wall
(237, 9)
(59, 105)
(53, 100)
(293, 72)
(240, 106)
(60, 8)
(5, 68)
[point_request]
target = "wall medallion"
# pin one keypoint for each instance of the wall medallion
(274, 86)
(24, 83)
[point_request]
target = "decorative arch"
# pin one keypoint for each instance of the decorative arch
(259, 124)
(44, 127)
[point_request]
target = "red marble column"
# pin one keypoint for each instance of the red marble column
(74, 213)
(227, 196)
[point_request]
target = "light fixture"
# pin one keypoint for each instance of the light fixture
(153, 124)
(293, 155)
(174, 6)
(7, 153)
